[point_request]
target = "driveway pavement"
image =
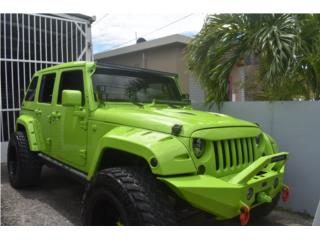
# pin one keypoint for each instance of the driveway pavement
(57, 201)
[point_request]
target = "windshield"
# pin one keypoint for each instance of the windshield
(135, 87)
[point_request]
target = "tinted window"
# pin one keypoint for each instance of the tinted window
(71, 80)
(32, 90)
(143, 88)
(46, 88)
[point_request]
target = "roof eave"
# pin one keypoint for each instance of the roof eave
(169, 40)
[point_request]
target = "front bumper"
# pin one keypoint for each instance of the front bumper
(225, 197)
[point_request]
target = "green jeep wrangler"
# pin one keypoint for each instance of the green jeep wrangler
(144, 153)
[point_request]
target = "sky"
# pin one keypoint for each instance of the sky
(111, 31)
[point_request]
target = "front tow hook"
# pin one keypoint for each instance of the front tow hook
(244, 215)
(285, 194)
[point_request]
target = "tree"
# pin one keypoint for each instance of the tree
(286, 47)
(309, 61)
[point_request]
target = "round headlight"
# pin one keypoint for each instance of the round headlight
(198, 146)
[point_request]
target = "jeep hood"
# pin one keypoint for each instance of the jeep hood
(162, 119)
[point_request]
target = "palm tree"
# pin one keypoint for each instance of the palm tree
(278, 43)
(309, 60)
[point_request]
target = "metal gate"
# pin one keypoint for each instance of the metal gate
(30, 42)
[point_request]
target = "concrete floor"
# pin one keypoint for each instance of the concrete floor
(57, 201)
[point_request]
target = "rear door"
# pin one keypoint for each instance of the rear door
(43, 109)
(70, 123)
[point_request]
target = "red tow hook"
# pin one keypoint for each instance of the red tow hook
(285, 194)
(244, 216)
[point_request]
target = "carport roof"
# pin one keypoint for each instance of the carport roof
(176, 38)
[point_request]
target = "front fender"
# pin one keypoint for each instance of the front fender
(30, 125)
(270, 144)
(171, 154)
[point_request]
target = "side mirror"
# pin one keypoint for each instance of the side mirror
(71, 98)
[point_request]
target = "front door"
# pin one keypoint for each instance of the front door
(69, 138)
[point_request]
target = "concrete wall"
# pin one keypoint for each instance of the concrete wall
(296, 127)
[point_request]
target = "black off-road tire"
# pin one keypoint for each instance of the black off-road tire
(126, 195)
(24, 167)
(265, 209)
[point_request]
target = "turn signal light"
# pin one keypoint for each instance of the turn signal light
(285, 194)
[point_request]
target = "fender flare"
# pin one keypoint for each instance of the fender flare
(271, 147)
(30, 125)
(171, 154)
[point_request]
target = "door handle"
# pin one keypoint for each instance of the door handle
(56, 115)
(80, 113)
(38, 111)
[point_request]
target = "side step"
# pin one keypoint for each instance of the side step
(80, 176)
